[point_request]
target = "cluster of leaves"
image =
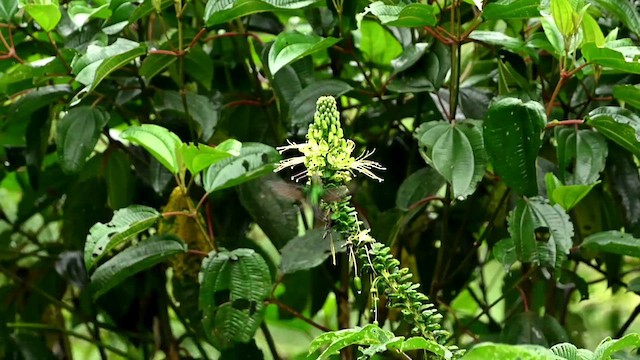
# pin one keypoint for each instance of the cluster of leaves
(510, 130)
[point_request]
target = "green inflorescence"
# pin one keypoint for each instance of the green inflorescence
(328, 157)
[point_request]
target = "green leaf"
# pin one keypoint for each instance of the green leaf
(233, 288)
(378, 46)
(131, 261)
(253, 161)
(198, 157)
(562, 13)
(80, 12)
(8, 8)
(586, 149)
(417, 186)
(77, 135)
(608, 347)
(456, 152)
(276, 215)
(619, 125)
(512, 138)
(221, 11)
(541, 233)
(511, 9)
(591, 32)
(309, 250)
(36, 99)
(614, 242)
(499, 39)
(505, 252)
(438, 64)
(154, 64)
(489, 350)
(203, 110)
(412, 15)
(147, 8)
(567, 196)
(623, 10)
(630, 94)
(119, 179)
(125, 224)
(160, 142)
(370, 335)
(303, 105)
(110, 65)
(553, 34)
(291, 46)
(610, 58)
(89, 67)
(409, 57)
(46, 13)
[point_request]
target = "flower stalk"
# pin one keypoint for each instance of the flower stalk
(328, 158)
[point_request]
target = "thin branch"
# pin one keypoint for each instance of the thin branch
(296, 314)
(553, 124)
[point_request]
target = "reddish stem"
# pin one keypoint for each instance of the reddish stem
(553, 124)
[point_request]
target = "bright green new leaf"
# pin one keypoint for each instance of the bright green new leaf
(160, 142)
(512, 137)
(110, 65)
(125, 224)
(99, 61)
(567, 196)
(591, 31)
(131, 261)
(45, 12)
(486, 351)
(8, 8)
(412, 15)
(630, 94)
(456, 152)
(244, 276)
(292, 46)
(77, 135)
(608, 347)
(540, 232)
(553, 34)
(80, 12)
(376, 43)
(614, 242)
(198, 157)
(511, 9)
(562, 13)
(254, 160)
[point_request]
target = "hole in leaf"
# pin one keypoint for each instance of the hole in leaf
(241, 304)
(221, 296)
(265, 158)
(542, 233)
(245, 165)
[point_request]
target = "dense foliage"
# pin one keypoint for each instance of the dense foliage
(140, 215)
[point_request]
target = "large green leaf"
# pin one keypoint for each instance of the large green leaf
(291, 46)
(541, 233)
(110, 65)
(86, 66)
(456, 152)
(608, 347)
(45, 12)
(610, 58)
(630, 94)
(614, 242)
(203, 110)
(586, 149)
(567, 196)
(132, 260)
(309, 250)
(276, 215)
(220, 11)
(303, 105)
(512, 137)
(233, 288)
(486, 351)
(411, 15)
(77, 135)
(376, 338)
(511, 9)
(253, 161)
(125, 224)
(377, 44)
(417, 186)
(160, 142)
(619, 125)
(624, 10)
(198, 157)
(8, 8)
